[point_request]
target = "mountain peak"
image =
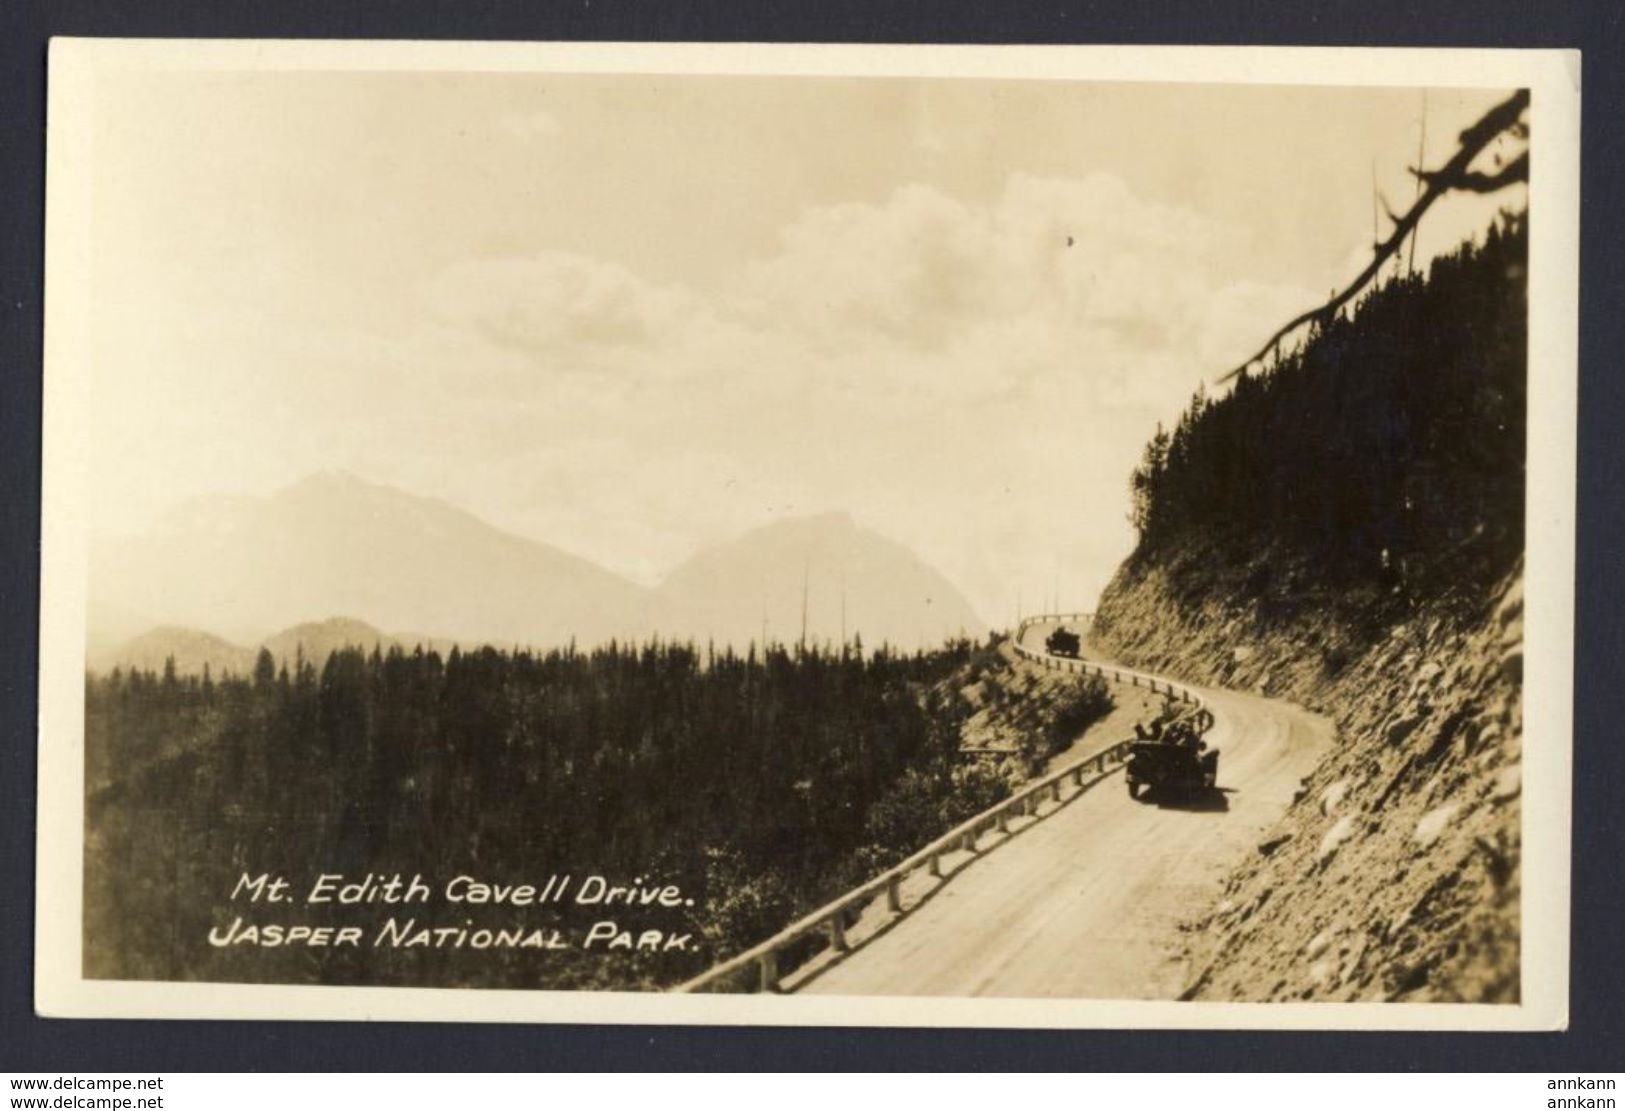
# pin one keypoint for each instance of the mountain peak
(334, 542)
(317, 640)
(843, 576)
(339, 484)
(834, 520)
(331, 478)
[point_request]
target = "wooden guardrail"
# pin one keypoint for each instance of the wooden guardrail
(1026, 623)
(757, 968)
(1176, 691)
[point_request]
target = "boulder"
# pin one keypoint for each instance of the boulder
(1508, 783)
(1400, 730)
(1332, 797)
(1433, 823)
(1512, 663)
(1511, 603)
(1268, 846)
(1339, 833)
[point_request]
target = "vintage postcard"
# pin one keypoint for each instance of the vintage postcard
(808, 535)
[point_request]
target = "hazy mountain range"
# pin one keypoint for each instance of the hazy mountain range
(191, 649)
(335, 560)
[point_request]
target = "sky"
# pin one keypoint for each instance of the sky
(633, 316)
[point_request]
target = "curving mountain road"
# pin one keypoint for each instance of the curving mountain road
(1087, 903)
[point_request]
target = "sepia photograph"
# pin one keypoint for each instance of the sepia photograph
(808, 535)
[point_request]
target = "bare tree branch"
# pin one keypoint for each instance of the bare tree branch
(1453, 175)
(1475, 182)
(1387, 211)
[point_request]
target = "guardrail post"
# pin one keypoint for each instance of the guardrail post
(936, 865)
(837, 932)
(768, 965)
(1003, 820)
(894, 896)
(1077, 776)
(1055, 790)
(969, 840)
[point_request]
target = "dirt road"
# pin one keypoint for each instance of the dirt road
(1087, 903)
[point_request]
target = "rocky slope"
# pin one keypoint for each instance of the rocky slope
(1395, 874)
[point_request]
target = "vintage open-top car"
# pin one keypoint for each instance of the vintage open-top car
(1175, 761)
(1063, 642)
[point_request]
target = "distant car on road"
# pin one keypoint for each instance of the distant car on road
(1063, 642)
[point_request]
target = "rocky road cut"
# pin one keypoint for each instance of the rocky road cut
(1087, 904)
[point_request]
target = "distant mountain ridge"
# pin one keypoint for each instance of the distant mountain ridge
(192, 649)
(337, 544)
(222, 573)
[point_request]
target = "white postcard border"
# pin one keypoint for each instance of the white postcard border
(1553, 77)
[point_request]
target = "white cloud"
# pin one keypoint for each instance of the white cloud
(560, 303)
(1055, 271)
(975, 380)
(850, 275)
(940, 369)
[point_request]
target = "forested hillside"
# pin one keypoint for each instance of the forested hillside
(760, 786)
(1346, 530)
(1388, 449)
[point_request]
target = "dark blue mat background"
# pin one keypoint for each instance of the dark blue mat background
(1597, 1030)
